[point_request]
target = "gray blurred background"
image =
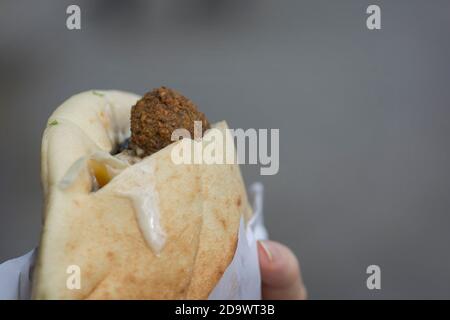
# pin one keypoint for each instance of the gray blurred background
(364, 118)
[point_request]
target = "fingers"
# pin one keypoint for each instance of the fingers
(280, 272)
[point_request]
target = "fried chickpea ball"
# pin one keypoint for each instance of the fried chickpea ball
(157, 114)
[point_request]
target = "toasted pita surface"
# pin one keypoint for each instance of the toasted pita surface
(199, 208)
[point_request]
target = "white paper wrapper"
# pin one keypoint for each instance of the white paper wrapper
(241, 280)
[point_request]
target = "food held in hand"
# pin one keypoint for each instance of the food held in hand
(119, 211)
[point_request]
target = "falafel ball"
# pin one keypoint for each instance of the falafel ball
(157, 114)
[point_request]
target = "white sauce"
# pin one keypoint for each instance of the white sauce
(72, 173)
(141, 191)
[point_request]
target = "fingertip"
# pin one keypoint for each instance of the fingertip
(280, 272)
(279, 266)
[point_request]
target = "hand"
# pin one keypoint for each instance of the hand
(280, 272)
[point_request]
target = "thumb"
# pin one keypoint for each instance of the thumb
(280, 272)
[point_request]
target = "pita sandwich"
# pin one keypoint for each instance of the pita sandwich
(118, 229)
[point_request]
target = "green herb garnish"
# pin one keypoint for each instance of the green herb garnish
(98, 93)
(53, 123)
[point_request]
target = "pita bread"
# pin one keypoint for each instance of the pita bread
(108, 233)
